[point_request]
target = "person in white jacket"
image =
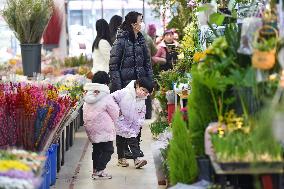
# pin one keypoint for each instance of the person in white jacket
(101, 47)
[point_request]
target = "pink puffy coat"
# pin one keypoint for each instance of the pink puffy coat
(132, 109)
(100, 113)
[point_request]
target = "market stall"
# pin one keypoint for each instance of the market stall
(41, 115)
(232, 52)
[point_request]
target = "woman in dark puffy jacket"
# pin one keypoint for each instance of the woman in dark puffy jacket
(129, 57)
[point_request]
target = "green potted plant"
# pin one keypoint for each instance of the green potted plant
(181, 156)
(28, 19)
(158, 127)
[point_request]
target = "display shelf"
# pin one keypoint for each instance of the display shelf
(65, 121)
(247, 170)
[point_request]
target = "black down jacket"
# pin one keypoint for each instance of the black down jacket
(129, 60)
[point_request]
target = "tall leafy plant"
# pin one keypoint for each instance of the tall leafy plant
(200, 113)
(181, 156)
(211, 85)
(28, 18)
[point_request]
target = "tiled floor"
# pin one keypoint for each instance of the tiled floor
(76, 172)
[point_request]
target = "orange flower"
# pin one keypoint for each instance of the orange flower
(198, 56)
(13, 62)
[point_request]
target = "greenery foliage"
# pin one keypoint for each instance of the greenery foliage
(181, 157)
(164, 153)
(266, 44)
(182, 17)
(221, 73)
(28, 18)
(237, 142)
(76, 61)
(181, 13)
(167, 78)
(212, 85)
(158, 127)
(200, 113)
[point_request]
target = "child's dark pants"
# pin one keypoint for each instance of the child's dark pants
(102, 154)
(121, 144)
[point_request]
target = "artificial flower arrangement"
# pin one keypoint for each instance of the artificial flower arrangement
(20, 169)
(29, 113)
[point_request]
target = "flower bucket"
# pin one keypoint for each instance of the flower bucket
(264, 60)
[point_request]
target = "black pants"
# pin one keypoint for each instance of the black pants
(122, 143)
(102, 154)
(138, 140)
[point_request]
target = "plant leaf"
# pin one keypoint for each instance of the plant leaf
(202, 8)
(216, 18)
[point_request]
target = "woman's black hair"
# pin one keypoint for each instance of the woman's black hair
(146, 83)
(101, 77)
(102, 33)
(114, 23)
(130, 18)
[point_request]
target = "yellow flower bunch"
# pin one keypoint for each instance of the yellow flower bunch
(6, 165)
(12, 61)
(199, 56)
(63, 88)
(188, 41)
(52, 94)
(221, 131)
(233, 122)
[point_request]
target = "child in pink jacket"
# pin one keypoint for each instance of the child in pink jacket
(131, 101)
(100, 114)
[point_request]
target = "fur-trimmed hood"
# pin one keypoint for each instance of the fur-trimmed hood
(90, 96)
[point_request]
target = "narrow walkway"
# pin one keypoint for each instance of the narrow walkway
(76, 172)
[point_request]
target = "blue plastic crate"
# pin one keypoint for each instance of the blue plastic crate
(53, 163)
(47, 169)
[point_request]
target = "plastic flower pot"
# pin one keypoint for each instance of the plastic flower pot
(31, 58)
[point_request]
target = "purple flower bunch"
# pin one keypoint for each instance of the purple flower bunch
(28, 175)
(191, 4)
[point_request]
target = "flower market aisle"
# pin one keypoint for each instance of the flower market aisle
(76, 172)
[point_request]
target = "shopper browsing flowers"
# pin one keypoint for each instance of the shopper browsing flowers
(100, 113)
(131, 101)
